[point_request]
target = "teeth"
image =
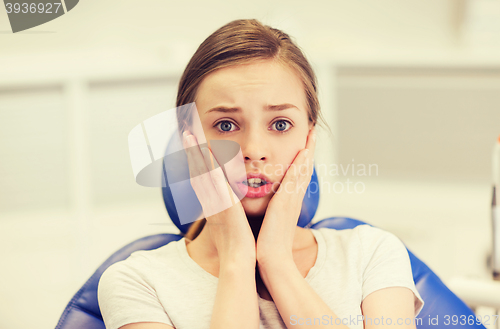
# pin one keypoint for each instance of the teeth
(254, 181)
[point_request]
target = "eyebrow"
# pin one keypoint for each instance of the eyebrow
(224, 109)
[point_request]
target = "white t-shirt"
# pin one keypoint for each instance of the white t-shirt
(166, 285)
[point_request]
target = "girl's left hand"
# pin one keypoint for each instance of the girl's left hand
(276, 235)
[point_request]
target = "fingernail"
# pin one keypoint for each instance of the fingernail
(306, 152)
(190, 141)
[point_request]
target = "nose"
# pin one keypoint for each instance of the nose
(254, 147)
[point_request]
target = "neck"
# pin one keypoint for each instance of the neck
(255, 223)
(205, 239)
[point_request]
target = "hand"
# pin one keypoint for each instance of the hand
(226, 218)
(276, 235)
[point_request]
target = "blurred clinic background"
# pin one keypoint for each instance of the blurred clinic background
(411, 87)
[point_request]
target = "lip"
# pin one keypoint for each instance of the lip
(255, 175)
(255, 192)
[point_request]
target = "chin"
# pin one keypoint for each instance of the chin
(255, 206)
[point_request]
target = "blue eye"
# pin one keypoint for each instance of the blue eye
(281, 126)
(224, 126)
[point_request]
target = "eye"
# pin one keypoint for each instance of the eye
(281, 126)
(224, 126)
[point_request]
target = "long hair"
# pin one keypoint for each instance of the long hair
(241, 42)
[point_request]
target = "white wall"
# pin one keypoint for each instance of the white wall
(71, 90)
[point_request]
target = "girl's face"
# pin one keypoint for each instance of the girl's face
(262, 107)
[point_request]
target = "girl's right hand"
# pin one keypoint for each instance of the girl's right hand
(226, 218)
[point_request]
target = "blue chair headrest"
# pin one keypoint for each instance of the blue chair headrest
(309, 204)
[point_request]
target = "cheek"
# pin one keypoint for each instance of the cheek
(289, 151)
(286, 160)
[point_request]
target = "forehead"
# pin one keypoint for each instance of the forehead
(258, 83)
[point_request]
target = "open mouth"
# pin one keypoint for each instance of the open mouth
(254, 187)
(254, 182)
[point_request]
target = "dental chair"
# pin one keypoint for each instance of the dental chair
(82, 312)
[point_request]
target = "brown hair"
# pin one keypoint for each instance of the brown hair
(241, 42)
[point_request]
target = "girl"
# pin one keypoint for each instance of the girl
(250, 265)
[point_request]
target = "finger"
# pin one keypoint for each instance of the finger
(202, 182)
(299, 173)
(216, 172)
(221, 182)
(193, 169)
(309, 157)
(311, 139)
(290, 183)
(304, 161)
(212, 182)
(303, 172)
(196, 162)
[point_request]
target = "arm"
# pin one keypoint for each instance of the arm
(394, 303)
(127, 300)
(294, 297)
(236, 304)
(388, 262)
(388, 287)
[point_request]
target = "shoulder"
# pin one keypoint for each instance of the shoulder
(331, 233)
(351, 236)
(366, 243)
(138, 265)
(123, 273)
(126, 291)
(371, 232)
(386, 263)
(376, 240)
